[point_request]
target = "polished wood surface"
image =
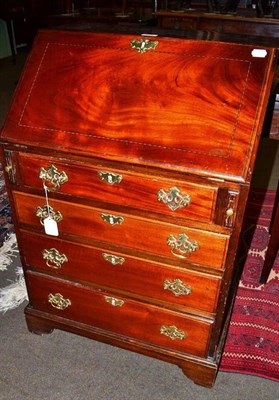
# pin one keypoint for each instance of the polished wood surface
(135, 188)
(78, 221)
(136, 276)
(185, 117)
(89, 306)
(88, 113)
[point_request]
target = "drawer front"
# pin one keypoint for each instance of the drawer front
(131, 318)
(118, 271)
(175, 242)
(169, 197)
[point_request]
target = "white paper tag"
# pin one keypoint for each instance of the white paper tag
(51, 227)
(259, 53)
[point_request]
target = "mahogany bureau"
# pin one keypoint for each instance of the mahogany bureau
(128, 161)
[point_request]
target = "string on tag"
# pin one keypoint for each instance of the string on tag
(50, 225)
(47, 202)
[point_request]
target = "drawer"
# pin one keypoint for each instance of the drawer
(169, 197)
(130, 318)
(115, 270)
(164, 239)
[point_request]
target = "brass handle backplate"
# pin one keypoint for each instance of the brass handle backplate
(110, 177)
(173, 198)
(58, 301)
(173, 332)
(112, 219)
(8, 168)
(177, 287)
(182, 246)
(53, 178)
(114, 302)
(114, 260)
(47, 211)
(53, 258)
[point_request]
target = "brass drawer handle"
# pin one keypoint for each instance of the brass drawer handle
(143, 45)
(114, 302)
(53, 178)
(173, 198)
(173, 332)
(177, 287)
(114, 260)
(53, 258)
(58, 301)
(182, 246)
(47, 211)
(112, 219)
(110, 177)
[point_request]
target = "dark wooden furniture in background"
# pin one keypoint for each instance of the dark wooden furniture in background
(144, 163)
(217, 24)
(10, 11)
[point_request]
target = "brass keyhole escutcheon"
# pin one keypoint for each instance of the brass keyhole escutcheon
(143, 45)
(112, 259)
(112, 219)
(110, 177)
(113, 301)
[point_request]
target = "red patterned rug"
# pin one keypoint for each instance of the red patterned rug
(252, 345)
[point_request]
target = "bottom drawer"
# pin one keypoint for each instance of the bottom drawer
(127, 317)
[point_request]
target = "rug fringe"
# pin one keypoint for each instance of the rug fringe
(13, 295)
(7, 251)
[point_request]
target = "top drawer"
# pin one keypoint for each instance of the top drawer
(175, 198)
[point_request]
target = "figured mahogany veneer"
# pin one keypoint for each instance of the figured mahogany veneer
(145, 148)
(89, 306)
(135, 190)
(148, 112)
(106, 268)
(146, 235)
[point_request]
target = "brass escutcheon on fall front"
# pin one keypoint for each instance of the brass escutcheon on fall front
(177, 287)
(143, 45)
(173, 198)
(182, 246)
(113, 301)
(53, 178)
(58, 301)
(173, 332)
(53, 258)
(47, 211)
(114, 260)
(110, 177)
